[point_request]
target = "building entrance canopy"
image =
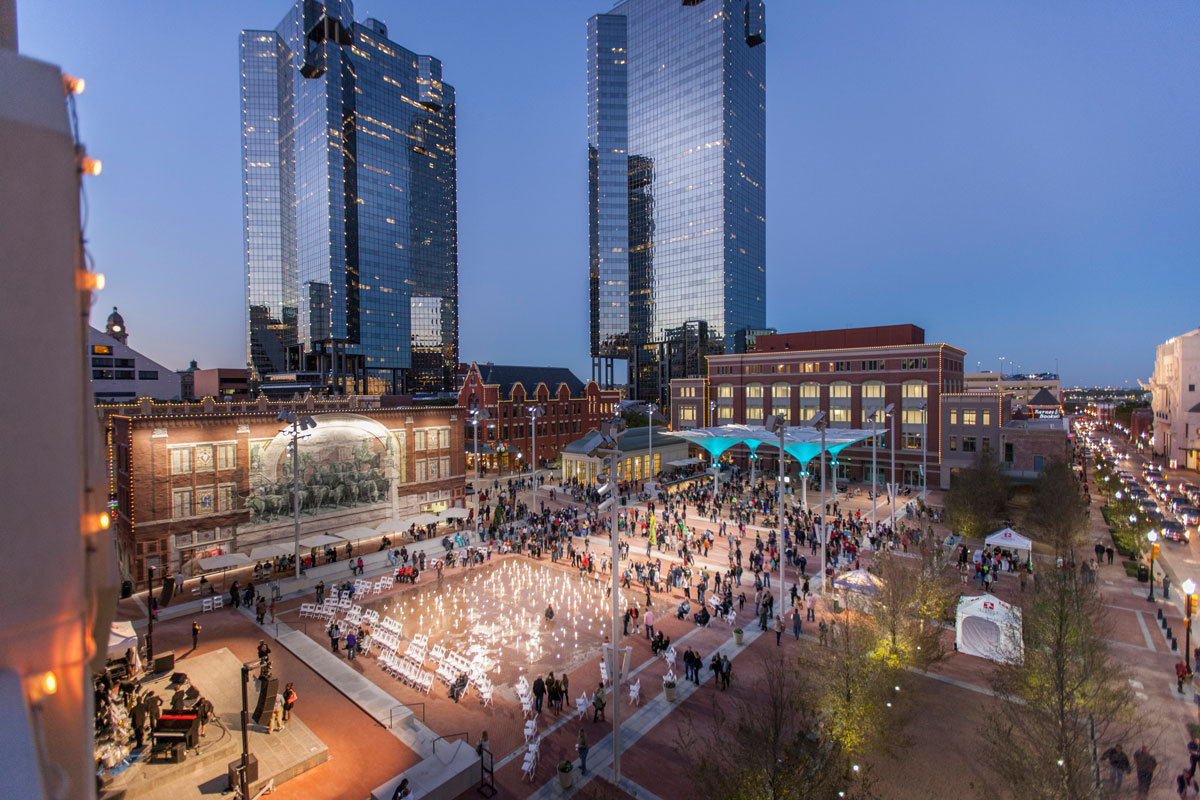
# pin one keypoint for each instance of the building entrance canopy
(801, 442)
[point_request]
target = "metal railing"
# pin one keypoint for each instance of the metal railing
(410, 706)
(447, 738)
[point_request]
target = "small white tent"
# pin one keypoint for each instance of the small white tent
(1010, 539)
(121, 637)
(988, 627)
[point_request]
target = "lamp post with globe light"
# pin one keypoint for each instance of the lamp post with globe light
(1189, 603)
(1152, 537)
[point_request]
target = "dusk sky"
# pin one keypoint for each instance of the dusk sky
(1020, 179)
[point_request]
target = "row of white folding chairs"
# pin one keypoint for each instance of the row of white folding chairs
(421, 640)
(529, 764)
(387, 639)
(209, 603)
(415, 652)
(410, 673)
(390, 624)
(370, 616)
(387, 582)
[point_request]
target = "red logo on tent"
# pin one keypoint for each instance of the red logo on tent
(989, 606)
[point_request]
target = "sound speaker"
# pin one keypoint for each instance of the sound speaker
(164, 662)
(251, 771)
(266, 700)
(168, 590)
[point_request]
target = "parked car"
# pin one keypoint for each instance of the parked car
(1189, 515)
(1175, 532)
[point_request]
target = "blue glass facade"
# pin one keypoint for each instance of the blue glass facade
(677, 196)
(351, 218)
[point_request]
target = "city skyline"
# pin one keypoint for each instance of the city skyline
(952, 161)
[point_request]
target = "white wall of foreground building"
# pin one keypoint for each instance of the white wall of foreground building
(59, 577)
(1176, 402)
(120, 374)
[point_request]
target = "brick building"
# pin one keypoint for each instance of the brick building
(970, 425)
(199, 479)
(572, 408)
(848, 374)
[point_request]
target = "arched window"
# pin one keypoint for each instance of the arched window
(914, 390)
(872, 390)
(754, 391)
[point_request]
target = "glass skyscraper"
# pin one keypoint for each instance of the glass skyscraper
(676, 185)
(350, 200)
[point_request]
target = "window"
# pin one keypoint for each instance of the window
(911, 441)
(840, 389)
(226, 456)
(987, 444)
(445, 466)
(419, 441)
(432, 468)
(204, 457)
(872, 389)
(754, 391)
(987, 416)
(1008, 452)
(911, 390)
(754, 413)
(953, 442)
(725, 413)
(872, 366)
(807, 413)
(841, 366)
(687, 413)
(954, 416)
(1038, 463)
(147, 374)
(725, 391)
(420, 469)
(839, 414)
(181, 460)
(809, 391)
(781, 391)
(914, 363)
(102, 374)
(102, 362)
(968, 444)
(225, 497)
(968, 417)
(181, 503)
(127, 363)
(101, 350)
(125, 374)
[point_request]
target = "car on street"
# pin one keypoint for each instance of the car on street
(1175, 532)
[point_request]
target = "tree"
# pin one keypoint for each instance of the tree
(1057, 512)
(774, 747)
(1066, 692)
(977, 500)
(910, 603)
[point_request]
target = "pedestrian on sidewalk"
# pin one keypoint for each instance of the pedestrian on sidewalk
(796, 622)
(1145, 770)
(581, 747)
(289, 701)
(778, 629)
(1118, 765)
(195, 634)
(598, 702)
(810, 606)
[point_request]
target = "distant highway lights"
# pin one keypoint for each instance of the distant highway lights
(1152, 537)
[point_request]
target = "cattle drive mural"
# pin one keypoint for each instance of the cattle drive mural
(343, 464)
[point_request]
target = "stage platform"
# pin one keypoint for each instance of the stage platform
(281, 755)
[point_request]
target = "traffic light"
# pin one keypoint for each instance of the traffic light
(1193, 604)
(1154, 550)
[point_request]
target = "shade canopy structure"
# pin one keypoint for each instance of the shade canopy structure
(860, 581)
(683, 462)
(801, 442)
(121, 637)
(394, 526)
(354, 534)
(223, 561)
(990, 628)
(456, 513)
(320, 540)
(1010, 539)
(425, 519)
(269, 551)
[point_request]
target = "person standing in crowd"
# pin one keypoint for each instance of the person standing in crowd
(1118, 766)
(195, 634)
(277, 722)
(581, 747)
(1145, 763)
(539, 691)
(289, 701)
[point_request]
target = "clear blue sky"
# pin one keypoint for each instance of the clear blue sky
(1018, 178)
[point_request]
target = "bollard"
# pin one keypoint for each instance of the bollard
(1160, 614)
(1174, 645)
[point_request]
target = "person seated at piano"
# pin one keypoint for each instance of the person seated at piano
(264, 652)
(702, 617)
(458, 687)
(204, 710)
(205, 587)
(684, 609)
(178, 700)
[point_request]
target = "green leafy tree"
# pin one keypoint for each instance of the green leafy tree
(1057, 513)
(1067, 697)
(977, 501)
(911, 602)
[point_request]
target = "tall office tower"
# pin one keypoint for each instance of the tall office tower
(676, 185)
(351, 217)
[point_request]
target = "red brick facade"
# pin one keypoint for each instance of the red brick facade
(509, 431)
(190, 483)
(845, 374)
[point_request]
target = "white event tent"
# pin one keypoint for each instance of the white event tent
(1010, 539)
(988, 627)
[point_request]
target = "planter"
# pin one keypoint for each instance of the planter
(566, 773)
(738, 636)
(669, 691)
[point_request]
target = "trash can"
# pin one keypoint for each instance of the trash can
(126, 589)
(1143, 573)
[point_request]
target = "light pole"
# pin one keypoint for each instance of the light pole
(833, 470)
(804, 486)
(1152, 537)
(535, 413)
(1189, 602)
(712, 408)
(611, 432)
(778, 424)
(925, 448)
(478, 416)
(298, 422)
(892, 472)
(885, 411)
(819, 422)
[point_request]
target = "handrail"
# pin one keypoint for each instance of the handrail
(392, 711)
(447, 737)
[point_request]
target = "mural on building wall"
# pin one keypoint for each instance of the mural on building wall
(345, 462)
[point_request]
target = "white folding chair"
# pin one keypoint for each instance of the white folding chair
(530, 730)
(206, 605)
(635, 692)
(581, 704)
(218, 601)
(528, 766)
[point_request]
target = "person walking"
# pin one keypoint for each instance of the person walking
(778, 629)
(195, 634)
(796, 623)
(1145, 763)
(1118, 765)
(649, 619)
(277, 722)
(351, 645)
(539, 691)
(581, 747)
(289, 701)
(598, 702)
(726, 672)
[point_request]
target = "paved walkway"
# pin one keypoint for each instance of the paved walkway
(635, 727)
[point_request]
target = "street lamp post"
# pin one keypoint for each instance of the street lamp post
(819, 422)
(478, 415)
(777, 424)
(1152, 537)
(885, 411)
(610, 434)
(804, 486)
(1189, 601)
(298, 423)
(892, 473)
(535, 413)
(150, 618)
(925, 449)
(712, 408)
